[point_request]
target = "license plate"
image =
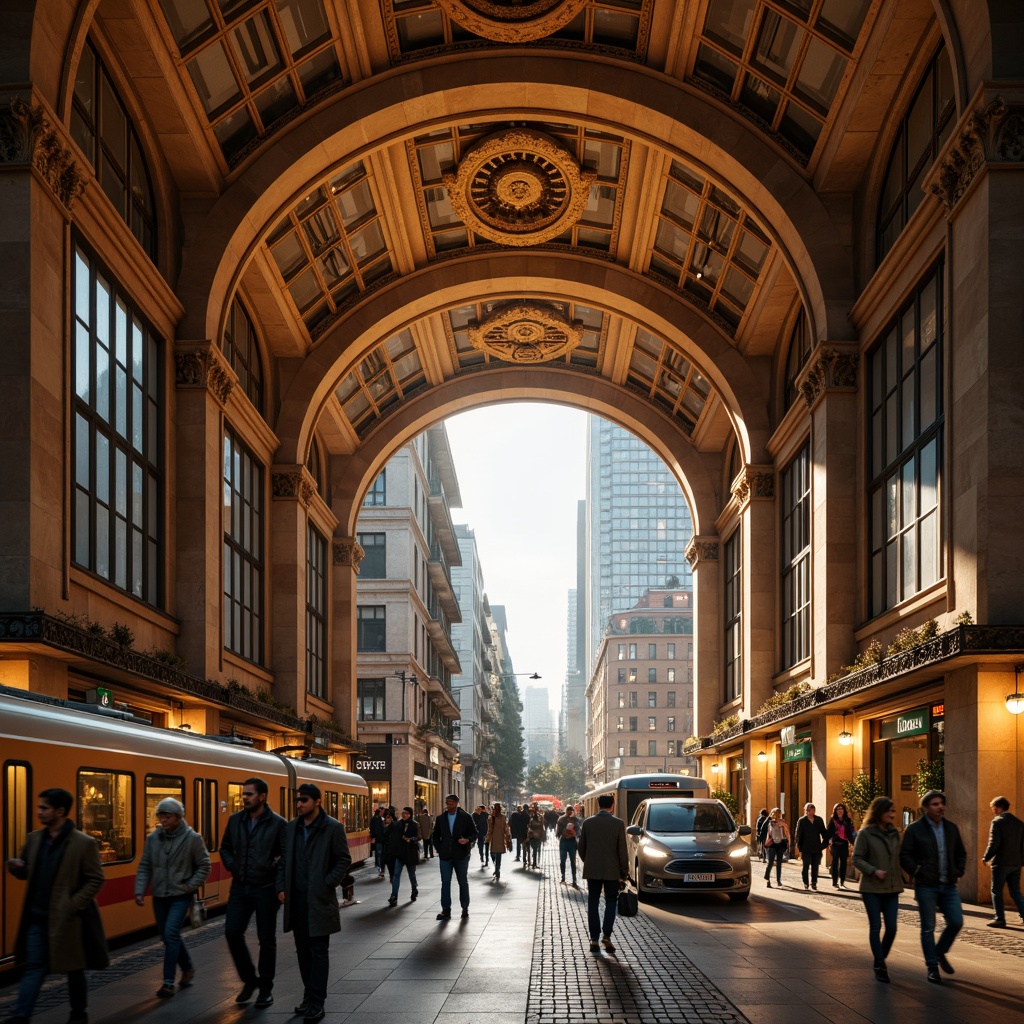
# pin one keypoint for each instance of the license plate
(702, 877)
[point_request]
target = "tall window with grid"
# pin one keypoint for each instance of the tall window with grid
(242, 352)
(116, 442)
(316, 613)
(795, 487)
(732, 568)
(243, 550)
(906, 415)
(378, 492)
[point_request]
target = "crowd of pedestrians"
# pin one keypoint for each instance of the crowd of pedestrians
(300, 865)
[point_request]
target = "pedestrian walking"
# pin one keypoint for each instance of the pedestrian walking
(809, 842)
(551, 817)
(64, 873)
(499, 839)
(377, 839)
(602, 847)
(348, 891)
(453, 839)
(249, 850)
(934, 856)
(426, 824)
(173, 865)
(1005, 855)
(567, 831)
(387, 862)
(517, 826)
(776, 842)
(315, 861)
(841, 835)
(759, 827)
(876, 855)
(536, 836)
(402, 842)
(480, 821)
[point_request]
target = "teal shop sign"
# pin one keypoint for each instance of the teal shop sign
(909, 723)
(800, 750)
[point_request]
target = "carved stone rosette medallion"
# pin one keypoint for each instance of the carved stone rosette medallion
(519, 187)
(512, 21)
(754, 482)
(348, 551)
(200, 367)
(526, 333)
(701, 549)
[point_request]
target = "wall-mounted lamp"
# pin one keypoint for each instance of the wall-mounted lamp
(762, 757)
(716, 768)
(1015, 701)
(845, 737)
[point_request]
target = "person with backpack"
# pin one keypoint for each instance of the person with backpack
(567, 832)
(776, 842)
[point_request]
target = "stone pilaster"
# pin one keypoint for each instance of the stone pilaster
(703, 555)
(346, 556)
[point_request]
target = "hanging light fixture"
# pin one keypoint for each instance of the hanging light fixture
(845, 737)
(1015, 701)
(762, 757)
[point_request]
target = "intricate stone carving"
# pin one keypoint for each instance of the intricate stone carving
(526, 333)
(700, 549)
(293, 483)
(832, 369)
(754, 482)
(347, 551)
(27, 138)
(512, 21)
(519, 187)
(994, 133)
(200, 367)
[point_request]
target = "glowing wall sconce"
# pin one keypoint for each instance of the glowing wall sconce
(845, 737)
(1015, 701)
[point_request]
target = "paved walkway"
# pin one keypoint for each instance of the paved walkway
(522, 957)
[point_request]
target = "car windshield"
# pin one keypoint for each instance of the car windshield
(666, 817)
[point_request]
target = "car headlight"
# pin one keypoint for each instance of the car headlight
(743, 851)
(657, 853)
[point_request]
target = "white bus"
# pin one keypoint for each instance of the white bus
(631, 789)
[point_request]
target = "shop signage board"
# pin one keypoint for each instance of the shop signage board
(799, 749)
(908, 723)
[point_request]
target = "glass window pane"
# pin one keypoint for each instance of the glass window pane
(367, 243)
(255, 48)
(289, 255)
(778, 41)
(187, 19)
(356, 203)
(304, 23)
(319, 72)
(821, 72)
(672, 240)
(728, 21)
(113, 126)
(842, 19)
(275, 101)
(800, 127)
(214, 81)
(715, 68)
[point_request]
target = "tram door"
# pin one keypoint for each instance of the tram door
(17, 823)
(206, 812)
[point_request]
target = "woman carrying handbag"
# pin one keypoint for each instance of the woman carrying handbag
(776, 843)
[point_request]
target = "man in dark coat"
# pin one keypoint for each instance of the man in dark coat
(1005, 854)
(934, 856)
(377, 839)
(64, 874)
(810, 840)
(517, 826)
(454, 836)
(252, 844)
(314, 862)
(602, 848)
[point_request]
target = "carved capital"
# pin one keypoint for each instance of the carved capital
(512, 21)
(701, 549)
(833, 368)
(754, 482)
(992, 134)
(347, 551)
(526, 333)
(519, 187)
(201, 367)
(292, 482)
(26, 137)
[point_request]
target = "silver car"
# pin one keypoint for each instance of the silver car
(688, 845)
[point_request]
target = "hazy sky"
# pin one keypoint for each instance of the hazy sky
(521, 470)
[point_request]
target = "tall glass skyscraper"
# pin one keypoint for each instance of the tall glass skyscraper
(638, 527)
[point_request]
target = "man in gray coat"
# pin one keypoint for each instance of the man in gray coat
(1005, 854)
(602, 848)
(314, 861)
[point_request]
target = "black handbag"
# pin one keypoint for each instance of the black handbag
(628, 904)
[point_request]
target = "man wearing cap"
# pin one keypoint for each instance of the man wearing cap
(453, 839)
(314, 861)
(252, 843)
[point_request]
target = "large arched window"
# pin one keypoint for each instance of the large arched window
(102, 128)
(799, 352)
(923, 131)
(242, 351)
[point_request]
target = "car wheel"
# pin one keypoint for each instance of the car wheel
(642, 896)
(739, 897)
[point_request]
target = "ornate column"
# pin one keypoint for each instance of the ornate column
(702, 554)
(754, 491)
(346, 556)
(203, 382)
(829, 387)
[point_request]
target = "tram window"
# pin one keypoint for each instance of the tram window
(106, 802)
(332, 803)
(205, 812)
(235, 797)
(157, 788)
(287, 802)
(17, 807)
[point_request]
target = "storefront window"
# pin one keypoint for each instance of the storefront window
(902, 741)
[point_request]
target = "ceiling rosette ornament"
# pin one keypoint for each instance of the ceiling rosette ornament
(512, 21)
(526, 333)
(519, 187)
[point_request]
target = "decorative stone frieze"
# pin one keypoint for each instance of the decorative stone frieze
(833, 368)
(519, 187)
(754, 482)
(201, 367)
(512, 21)
(292, 482)
(348, 551)
(26, 137)
(526, 333)
(701, 549)
(992, 134)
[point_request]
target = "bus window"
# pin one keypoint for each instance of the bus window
(157, 788)
(106, 803)
(235, 797)
(17, 807)
(205, 812)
